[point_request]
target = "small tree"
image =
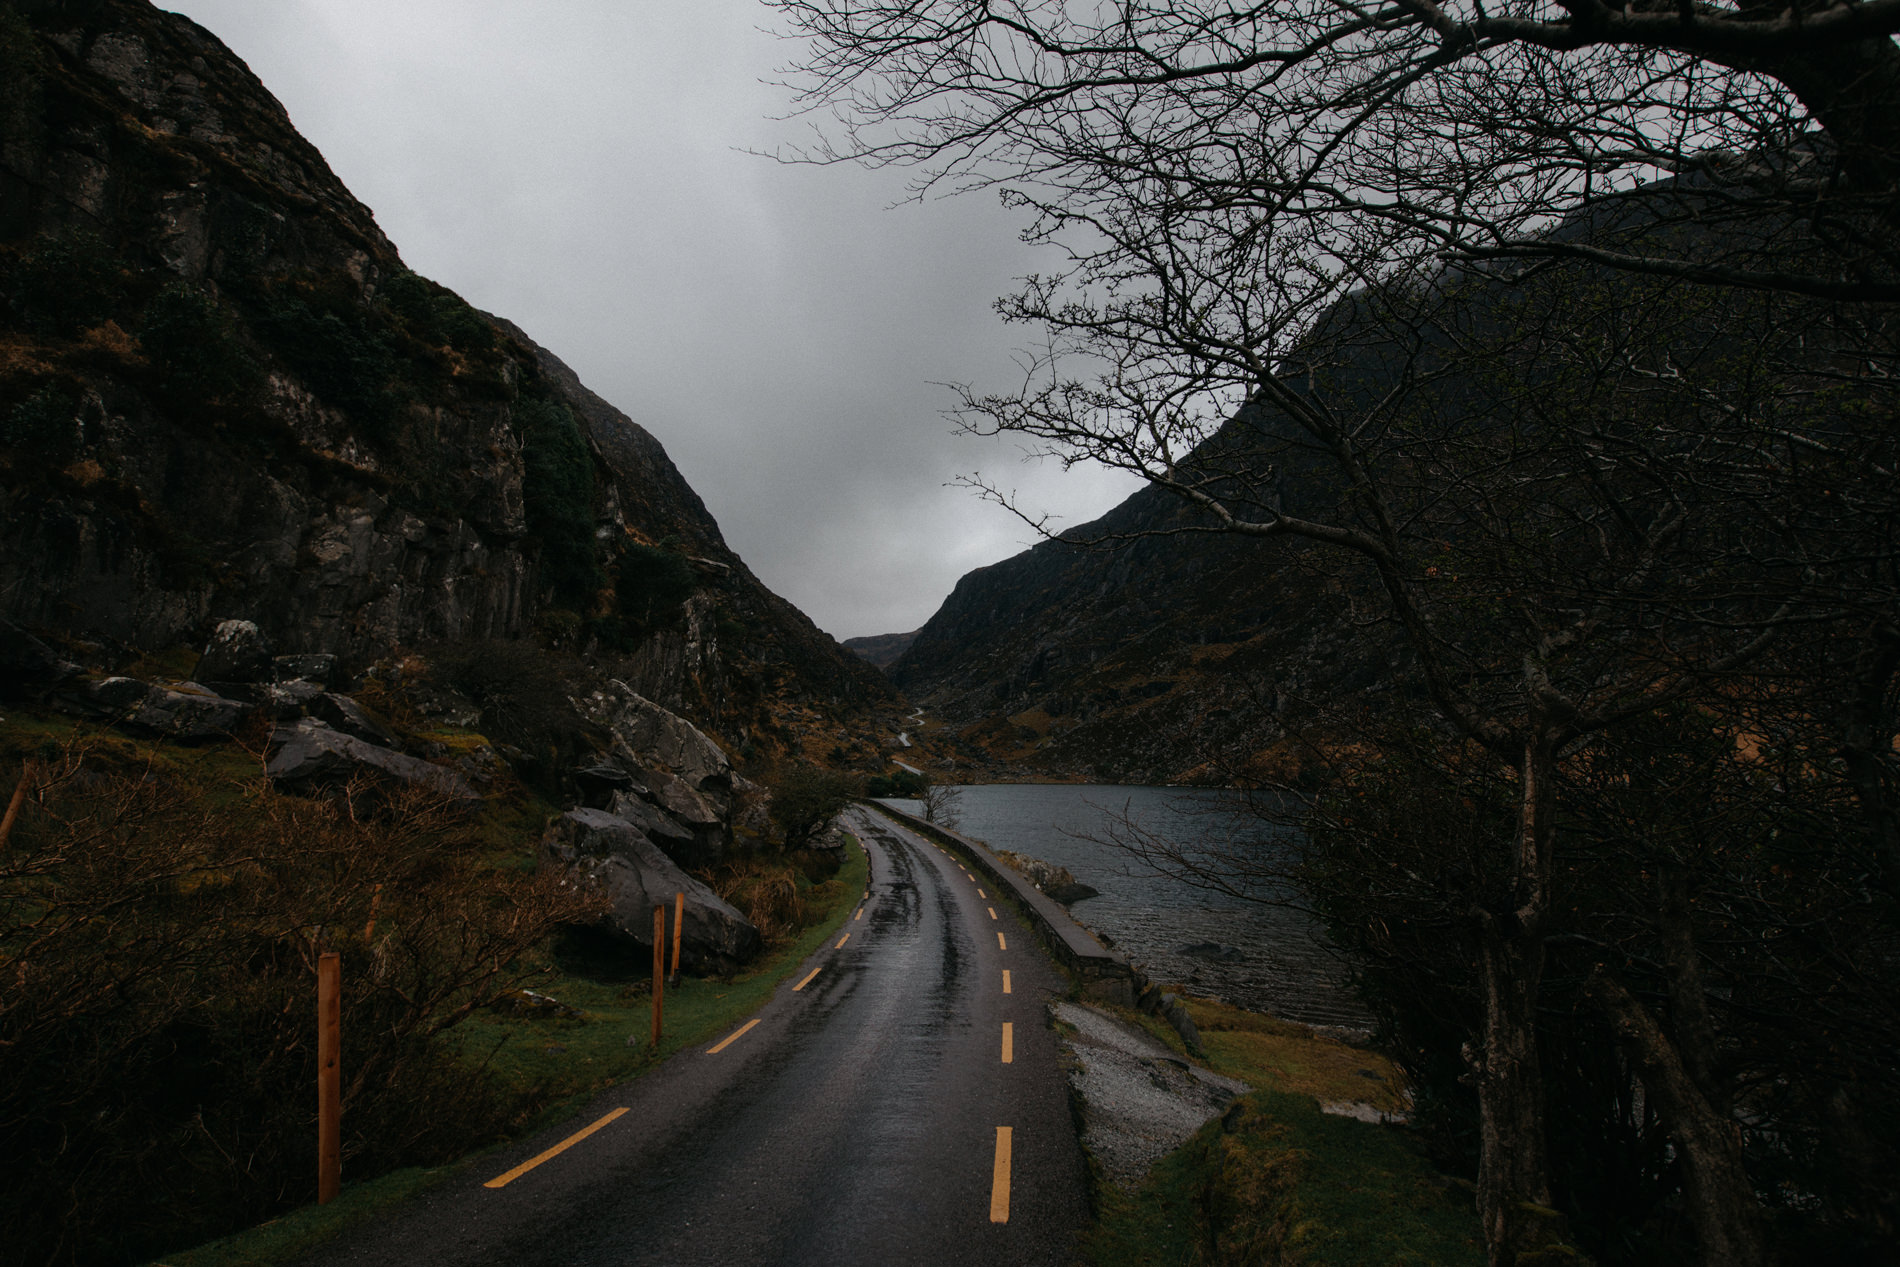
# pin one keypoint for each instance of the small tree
(942, 804)
(805, 799)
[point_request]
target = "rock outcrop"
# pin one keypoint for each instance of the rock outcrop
(604, 850)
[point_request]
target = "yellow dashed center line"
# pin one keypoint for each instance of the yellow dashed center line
(807, 981)
(733, 1037)
(992, 911)
(859, 915)
(980, 893)
(502, 1181)
(1006, 981)
(1000, 943)
(999, 1178)
(841, 941)
(1009, 1043)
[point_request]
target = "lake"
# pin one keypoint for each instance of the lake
(1279, 962)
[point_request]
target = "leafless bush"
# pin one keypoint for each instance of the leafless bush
(158, 944)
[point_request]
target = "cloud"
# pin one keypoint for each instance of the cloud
(580, 169)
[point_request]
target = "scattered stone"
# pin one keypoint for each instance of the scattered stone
(1069, 894)
(533, 1003)
(188, 712)
(237, 652)
(606, 850)
(111, 697)
(1361, 1112)
(346, 715)
(1213, 950)
(310, 756)
(313, 666)
(443, 704)
(287, 701)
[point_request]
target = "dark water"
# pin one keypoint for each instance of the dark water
(1283, 966)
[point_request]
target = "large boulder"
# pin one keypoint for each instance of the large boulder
(605, 850)
(346, 715)
(189, 712)
(237, 652)
(646, 734)
(310, 756)
(672, 836)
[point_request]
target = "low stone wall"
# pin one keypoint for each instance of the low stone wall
(1103, 974)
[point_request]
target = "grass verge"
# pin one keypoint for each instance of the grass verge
(559, 1062)
(1276, 1181)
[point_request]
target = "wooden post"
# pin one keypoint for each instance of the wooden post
(19, 799)
(659, 967)
(329, 1080)
(679, 923)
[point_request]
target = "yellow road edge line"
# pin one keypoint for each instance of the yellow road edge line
(733, 1036)
(502, 1181)
(999, 1178)
(807, 981)
(1000, 943)
(1009, 1043)
(841, 941)
(1006, 981)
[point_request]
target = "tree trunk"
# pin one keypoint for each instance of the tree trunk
(1513, 1167)
(1690, 1025)
(1721, 1201)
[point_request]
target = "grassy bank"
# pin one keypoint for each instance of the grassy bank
(555, 1063)
(1276, 1181)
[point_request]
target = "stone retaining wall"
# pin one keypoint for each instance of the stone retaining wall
(1103, 974)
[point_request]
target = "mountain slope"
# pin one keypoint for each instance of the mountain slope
(222, 395)
(1160, 658)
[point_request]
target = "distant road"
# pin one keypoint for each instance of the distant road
(867, 1118)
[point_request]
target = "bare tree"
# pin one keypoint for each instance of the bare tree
(1298, 233)
(942, 804)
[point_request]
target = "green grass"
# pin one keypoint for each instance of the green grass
(572, 1057)
(1275, 1180)
(560, 1063)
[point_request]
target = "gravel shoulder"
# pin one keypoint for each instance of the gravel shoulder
(1139, 1101)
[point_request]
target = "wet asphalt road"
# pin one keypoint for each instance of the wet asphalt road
(856, 1123)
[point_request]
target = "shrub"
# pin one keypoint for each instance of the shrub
(437, 315)
(66, 283)
(156, 1053)
(557, 487)
(189, 340)
(805, 799)
(651, 586)
(337, 352)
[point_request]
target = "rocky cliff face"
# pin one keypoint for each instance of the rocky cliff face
(223, 396)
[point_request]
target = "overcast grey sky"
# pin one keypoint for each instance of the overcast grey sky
(577, 167)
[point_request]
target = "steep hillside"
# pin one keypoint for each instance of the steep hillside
(1156, 659)
(223, 396)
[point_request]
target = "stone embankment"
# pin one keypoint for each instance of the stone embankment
(1103, 974)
